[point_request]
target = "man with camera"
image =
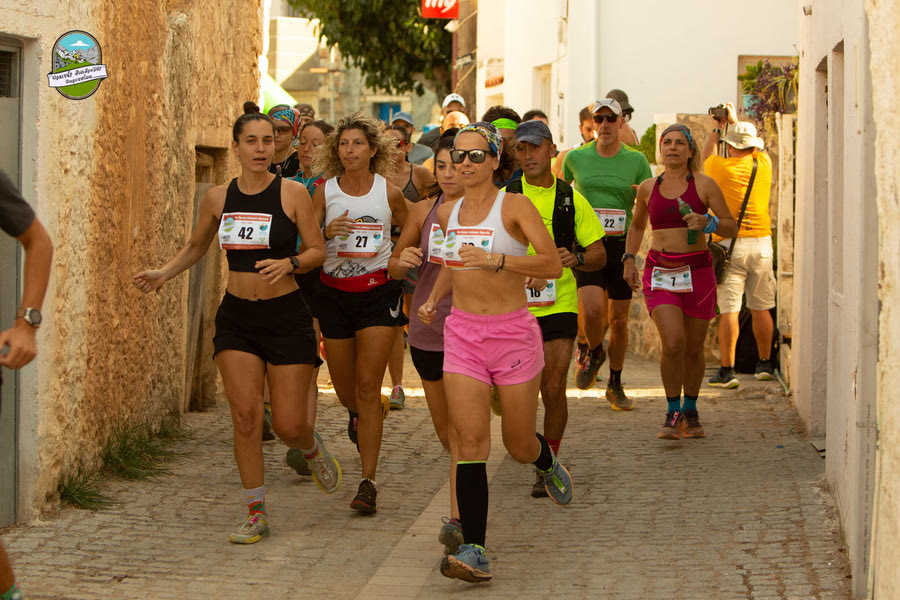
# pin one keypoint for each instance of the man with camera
(745, 177)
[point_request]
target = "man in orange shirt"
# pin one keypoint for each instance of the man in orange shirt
(750, 269)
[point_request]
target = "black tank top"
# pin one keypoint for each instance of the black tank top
(254, 227)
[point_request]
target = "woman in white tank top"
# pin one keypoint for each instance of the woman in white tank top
(360, 307)
(490, 337)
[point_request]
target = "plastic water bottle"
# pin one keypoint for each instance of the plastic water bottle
(684, 209)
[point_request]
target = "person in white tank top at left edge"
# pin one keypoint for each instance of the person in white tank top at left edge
(361, 307)
(490, 337)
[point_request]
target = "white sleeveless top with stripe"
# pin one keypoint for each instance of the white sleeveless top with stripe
(368, 247)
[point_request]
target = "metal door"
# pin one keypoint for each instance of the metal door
(9, 272)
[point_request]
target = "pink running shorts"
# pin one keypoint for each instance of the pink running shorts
(699, 303)
(505, 349)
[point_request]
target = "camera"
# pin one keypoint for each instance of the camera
(719, 112)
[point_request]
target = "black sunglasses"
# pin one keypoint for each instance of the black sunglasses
(476, 156)
(607, 118)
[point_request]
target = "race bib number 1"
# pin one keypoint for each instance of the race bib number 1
(364, 240)
(613, 220)
(436, 244)
(245, 231)
(672, 280)
(544, 297)
(466, 236)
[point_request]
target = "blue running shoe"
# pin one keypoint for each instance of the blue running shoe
(469, 564)
(558, 483)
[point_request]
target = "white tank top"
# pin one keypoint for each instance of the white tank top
(490, 234)
(368, 247)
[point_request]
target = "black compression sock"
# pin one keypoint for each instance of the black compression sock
(615, 377)
(472, 497)
(545, 459)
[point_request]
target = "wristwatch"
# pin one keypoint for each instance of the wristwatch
(295, 264)
(580, 258)
(626, 256)
(32, 316)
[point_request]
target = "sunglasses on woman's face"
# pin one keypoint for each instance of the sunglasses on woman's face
(476, 156)
(607, 118)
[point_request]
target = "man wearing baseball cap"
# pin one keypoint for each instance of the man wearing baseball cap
(606, 173)
(577, 233)
(452, 103)
(750, 270)
(626, 134)
(418, 153)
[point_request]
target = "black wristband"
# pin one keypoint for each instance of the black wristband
(626, 256)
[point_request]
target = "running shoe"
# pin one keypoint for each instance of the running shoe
(365, 498)
(252, 531)
(385, 407)
(295, 459)
(558, 483)
(581, 352)
(326, 471)
(692, 427)
(495, 402)
(469, 564)
(617, 398)
(765, 370)
(537, 489)
(724, 380)
(268, 435)
(451, 535)
(672, 427)
(586, 374)
(353, 428)
(398, 398)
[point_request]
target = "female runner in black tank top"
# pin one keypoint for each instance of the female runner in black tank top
(262, 293)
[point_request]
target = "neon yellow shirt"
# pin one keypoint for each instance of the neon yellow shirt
(587, 231)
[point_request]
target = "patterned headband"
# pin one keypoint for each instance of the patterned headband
(283, 112)
(490, 133)
(680, 129)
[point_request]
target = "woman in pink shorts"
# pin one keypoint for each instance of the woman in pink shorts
(490, 338)
(679, 284)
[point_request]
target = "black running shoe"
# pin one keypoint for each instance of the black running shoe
(365, 498)
(353, 427)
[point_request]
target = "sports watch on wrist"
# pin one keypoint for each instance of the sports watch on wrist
(295, 264)
(626, 256)
(32, 316)
(580, 258)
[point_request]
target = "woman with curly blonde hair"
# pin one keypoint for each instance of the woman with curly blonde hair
(360, 307)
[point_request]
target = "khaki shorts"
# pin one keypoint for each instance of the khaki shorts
(750, 271)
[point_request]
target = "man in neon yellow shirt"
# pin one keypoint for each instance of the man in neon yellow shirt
(555, 303)
(607, 173)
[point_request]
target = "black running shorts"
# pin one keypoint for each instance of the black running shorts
(559, 326)
(342, 314)
(610, 277)
(429, 363)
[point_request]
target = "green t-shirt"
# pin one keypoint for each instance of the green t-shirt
(606, 182)
(587, 231)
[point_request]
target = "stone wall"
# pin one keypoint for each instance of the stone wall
(113, 177)
(884, 22)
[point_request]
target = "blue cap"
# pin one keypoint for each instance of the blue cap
(403, 116)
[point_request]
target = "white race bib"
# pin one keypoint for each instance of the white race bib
(436, 244)
(672, 280)
(364, 240)
(613, 220)
(245, 231)
(480, 237)
(544, 297)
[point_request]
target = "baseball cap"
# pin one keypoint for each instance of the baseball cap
(453, 98)
(607, 103)
(533, 132)
(403, 116)
(622, 98)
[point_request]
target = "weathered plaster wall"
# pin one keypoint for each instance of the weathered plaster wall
(884, 22)
(113, 178)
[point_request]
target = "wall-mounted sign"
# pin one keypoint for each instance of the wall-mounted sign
(77, 67)
(440, 9)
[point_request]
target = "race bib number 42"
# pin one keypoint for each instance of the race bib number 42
(364, 240)
(245, 231)
(613, 220)
(481, 237)
(672, 280)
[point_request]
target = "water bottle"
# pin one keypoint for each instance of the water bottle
(684, 209)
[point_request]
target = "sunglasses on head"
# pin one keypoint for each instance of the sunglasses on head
(476, 156)
(607, 118)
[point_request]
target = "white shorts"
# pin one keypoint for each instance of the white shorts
(750, 271)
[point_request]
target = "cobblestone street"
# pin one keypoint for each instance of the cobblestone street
(740, 514)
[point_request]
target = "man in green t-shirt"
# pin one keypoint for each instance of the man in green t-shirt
(555, 303)
(607, 173)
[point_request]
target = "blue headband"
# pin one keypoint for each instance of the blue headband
(489, 132)
(680, 129)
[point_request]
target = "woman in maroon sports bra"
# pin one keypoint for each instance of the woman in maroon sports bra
(679, 284)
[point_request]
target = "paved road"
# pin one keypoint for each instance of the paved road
(740, 514)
